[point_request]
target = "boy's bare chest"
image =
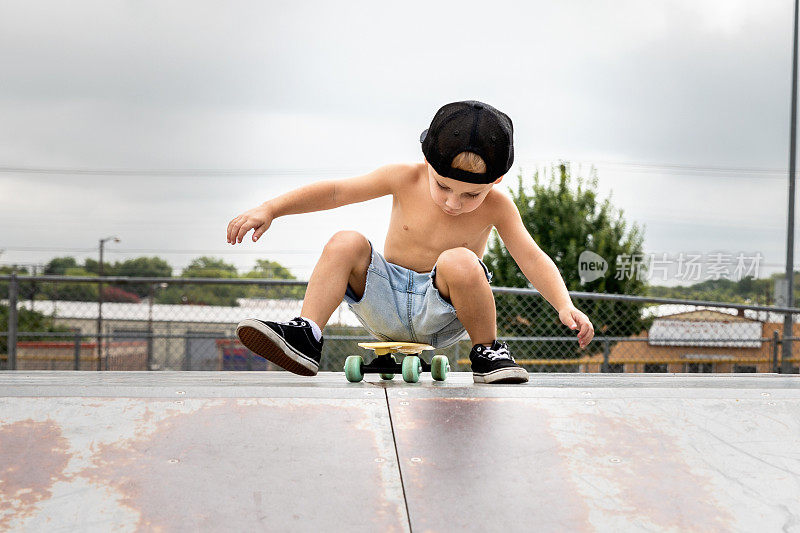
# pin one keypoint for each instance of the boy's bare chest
(419, 233)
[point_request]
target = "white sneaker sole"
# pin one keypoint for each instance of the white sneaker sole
(502, 375)
(262, 340)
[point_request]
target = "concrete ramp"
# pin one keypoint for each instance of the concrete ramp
(225, 451)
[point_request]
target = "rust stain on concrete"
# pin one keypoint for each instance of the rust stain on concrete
(181, 464)
(34, 456)
(469, 447)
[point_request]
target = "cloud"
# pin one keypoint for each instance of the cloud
(330, 89)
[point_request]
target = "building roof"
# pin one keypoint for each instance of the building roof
(708, 315)
(212, 314)
(671, 310)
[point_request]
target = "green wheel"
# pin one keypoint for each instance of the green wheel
(352, 368)
(411, 368)
(389, 376)
(440, 366)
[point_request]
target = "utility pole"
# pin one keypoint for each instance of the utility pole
(788, 318)
(100, 303)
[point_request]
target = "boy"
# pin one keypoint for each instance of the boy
(431, 286)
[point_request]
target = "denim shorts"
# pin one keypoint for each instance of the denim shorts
(402, 305)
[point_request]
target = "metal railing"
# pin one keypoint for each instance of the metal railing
(53, 322)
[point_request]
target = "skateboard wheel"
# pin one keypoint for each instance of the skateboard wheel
(353, 368)
(411, 369)
(440, 366)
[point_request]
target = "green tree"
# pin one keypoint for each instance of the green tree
(92, 266)
(59, 265)
(7, 271)
(68, 266)
(265, 269)
(28, 320)
(142, 267)
(209, 267)
(565, 216)
(78, 292)
(204, 267)
(747, 290)
(26, 289)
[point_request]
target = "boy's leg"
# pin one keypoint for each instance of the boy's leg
(292, 345)
(344, 261)
(461, 279)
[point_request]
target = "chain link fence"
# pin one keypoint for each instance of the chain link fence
(117, 323)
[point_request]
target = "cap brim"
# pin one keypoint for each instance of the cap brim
(423, 135)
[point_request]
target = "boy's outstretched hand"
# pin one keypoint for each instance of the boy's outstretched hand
(258, 219)
(575, 319)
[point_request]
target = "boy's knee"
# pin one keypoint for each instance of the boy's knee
(460, 265)
(350, 242)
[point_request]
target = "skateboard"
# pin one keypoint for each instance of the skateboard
(387, 366)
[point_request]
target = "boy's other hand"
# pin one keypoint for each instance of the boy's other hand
(258, 219)
(574, 319)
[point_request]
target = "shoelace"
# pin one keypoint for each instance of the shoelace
(293, 322)
(500, 353)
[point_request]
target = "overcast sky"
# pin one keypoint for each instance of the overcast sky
(274, 95)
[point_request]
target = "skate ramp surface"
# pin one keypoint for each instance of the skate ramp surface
(221, 451)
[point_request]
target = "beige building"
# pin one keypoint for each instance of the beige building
(698, 341)
(61, 355)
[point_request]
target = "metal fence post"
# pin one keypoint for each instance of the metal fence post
(606, 351)
(150, 327)
(77, 350)
(786, 352)
(12, 322)
(775, 343)
(100, 321)
(149, 360)
(186, 363)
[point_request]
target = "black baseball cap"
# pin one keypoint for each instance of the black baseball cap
(469, 126)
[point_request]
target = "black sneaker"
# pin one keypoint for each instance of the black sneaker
(290, 345)
(494, 364)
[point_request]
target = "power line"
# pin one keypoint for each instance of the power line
(156, 250)
(180, 265)
(677, 169)
(629, 166)
(181, 172)
(696, 168)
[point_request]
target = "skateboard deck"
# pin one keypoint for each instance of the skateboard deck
(387, 366)
(383, 348)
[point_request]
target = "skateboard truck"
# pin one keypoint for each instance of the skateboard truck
(387, 366)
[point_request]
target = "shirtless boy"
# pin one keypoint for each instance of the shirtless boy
(430, 286)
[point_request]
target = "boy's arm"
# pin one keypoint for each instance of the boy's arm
(539, 268)
(315, 197)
